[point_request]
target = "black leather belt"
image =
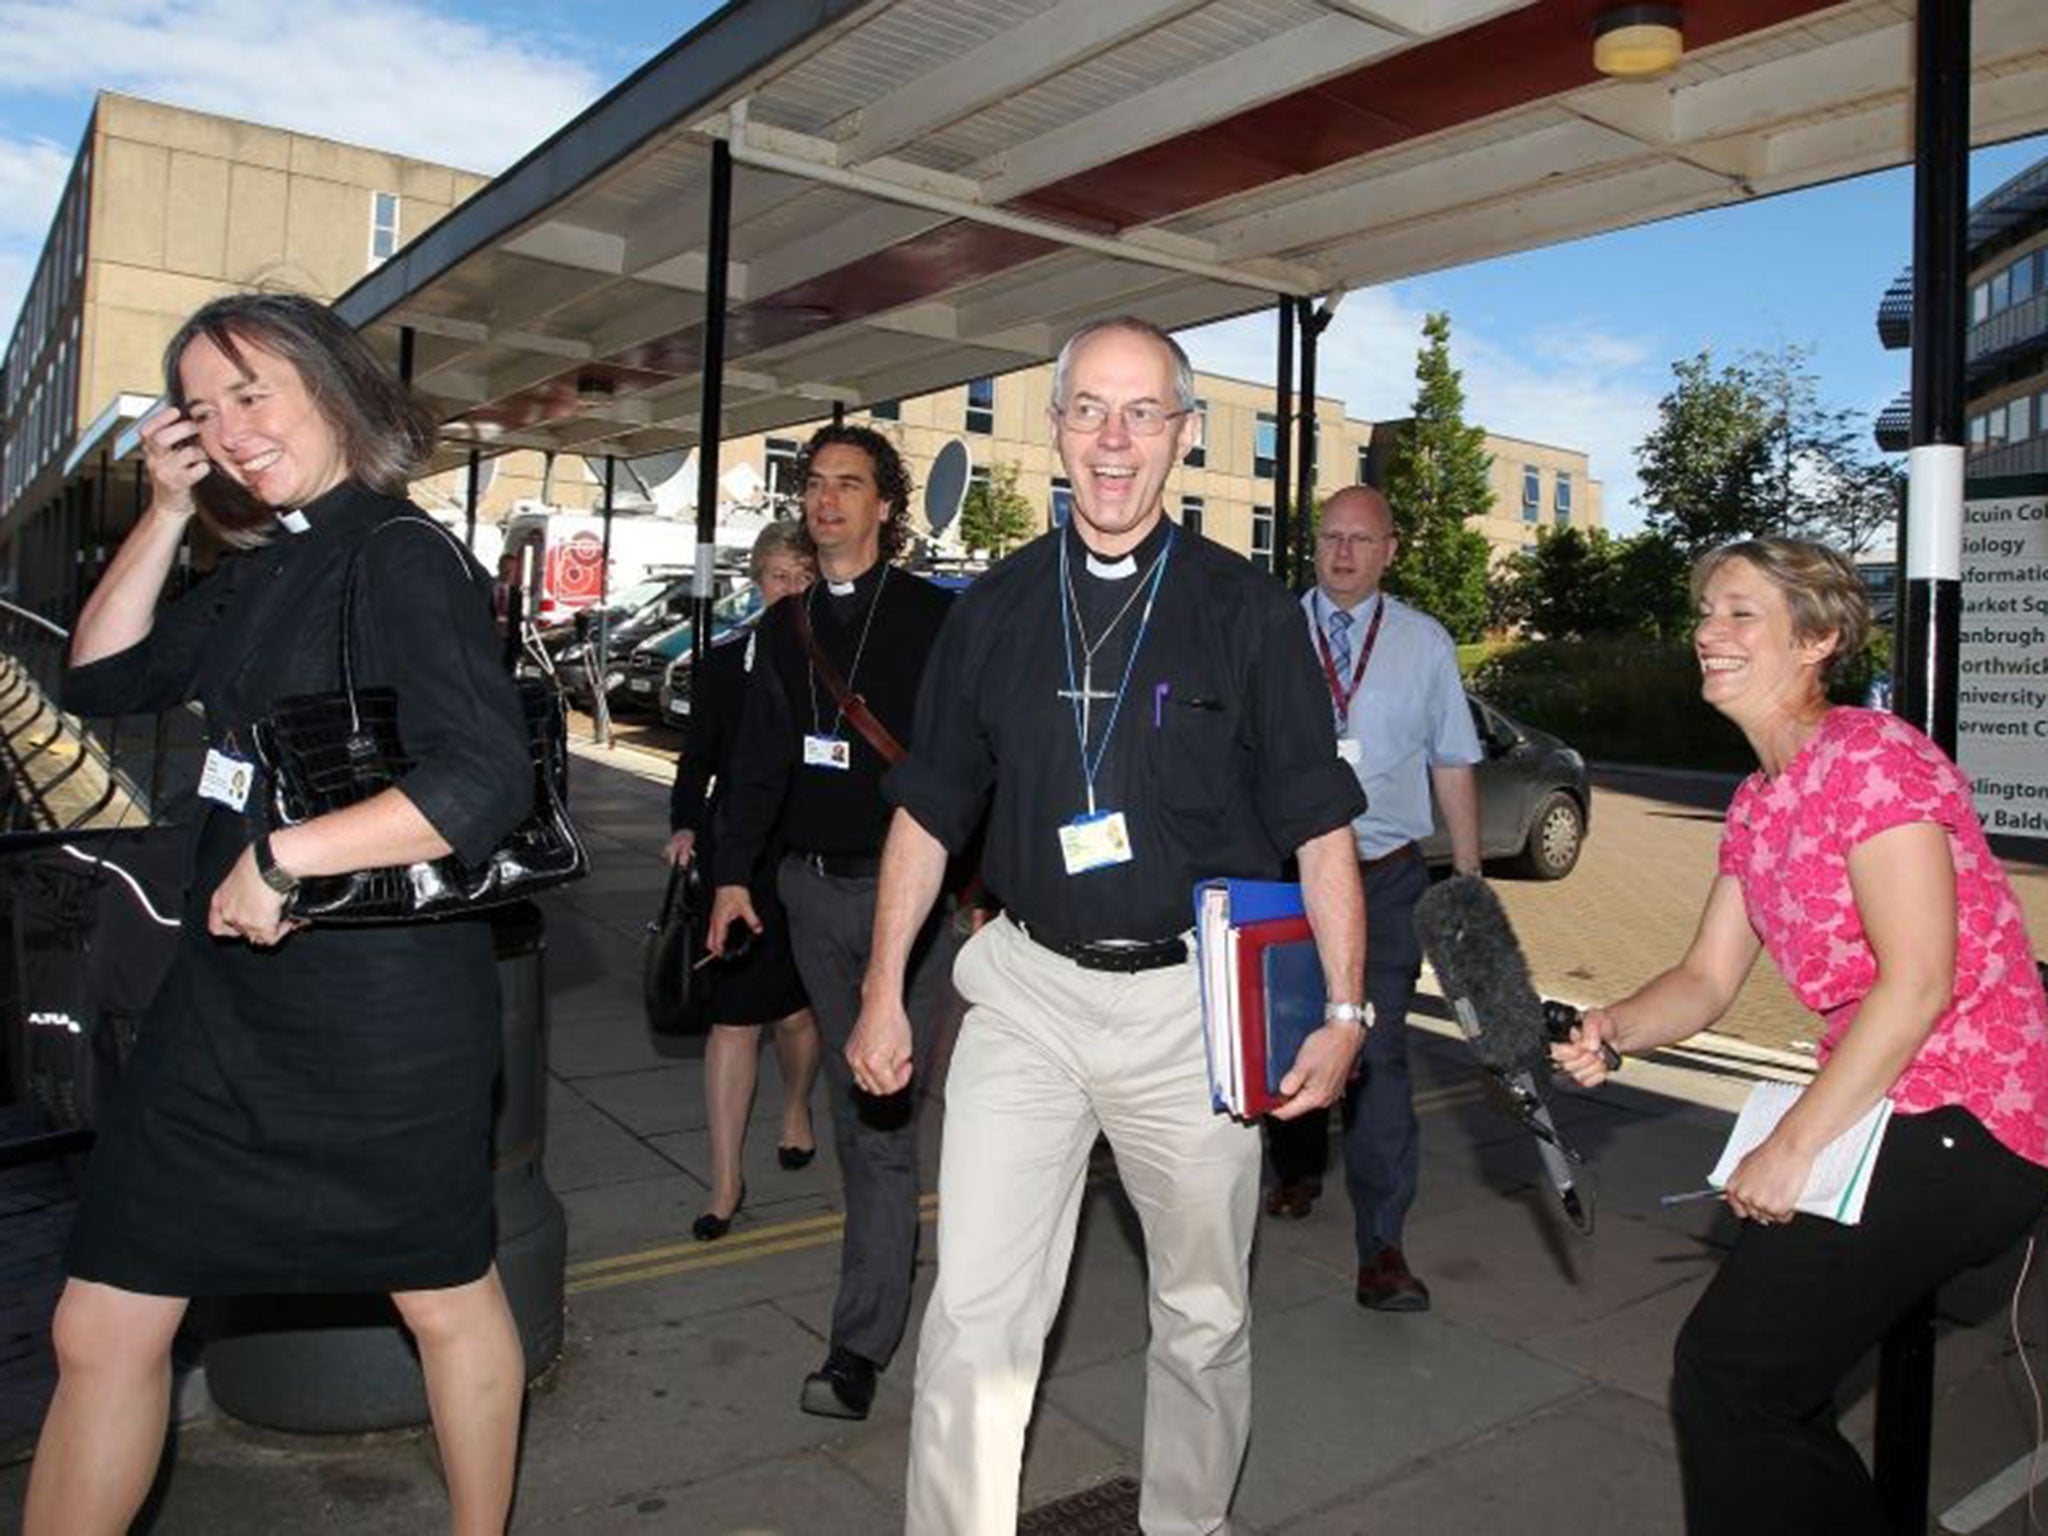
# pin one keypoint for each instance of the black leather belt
(846, 866)
(1392, 856)
(1123, 955)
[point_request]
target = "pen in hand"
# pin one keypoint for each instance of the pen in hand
(1709, 1193)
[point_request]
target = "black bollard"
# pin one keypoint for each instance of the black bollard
(345, 1364)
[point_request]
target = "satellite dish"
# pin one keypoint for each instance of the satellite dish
(946, 486)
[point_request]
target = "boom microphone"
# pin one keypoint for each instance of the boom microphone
(1473, 950)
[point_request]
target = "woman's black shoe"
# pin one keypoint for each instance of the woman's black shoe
(709, 1228)
(794, 1158)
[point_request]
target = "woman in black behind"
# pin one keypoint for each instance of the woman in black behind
(763, 986)
(308, 1109)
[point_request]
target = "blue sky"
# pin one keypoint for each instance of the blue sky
(1571, 345)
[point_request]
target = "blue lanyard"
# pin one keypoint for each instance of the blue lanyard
(1090, 768)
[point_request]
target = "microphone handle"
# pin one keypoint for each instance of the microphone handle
(1551, 1148)
(1560, 1019)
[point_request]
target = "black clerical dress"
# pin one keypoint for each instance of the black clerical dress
(1213, 741)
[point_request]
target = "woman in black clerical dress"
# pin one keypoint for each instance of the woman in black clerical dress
(308, 1108)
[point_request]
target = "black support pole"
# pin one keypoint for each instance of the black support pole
(601, 677)
(1283, 438)
(710, 417)
(405, 343)
(469, 497)
(1927, 649)
(838, 413)
(1313, 322)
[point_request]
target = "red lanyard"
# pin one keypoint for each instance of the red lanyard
(1340, 695)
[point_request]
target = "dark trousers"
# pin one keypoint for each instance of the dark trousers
(1794, 1307)
(1382, 1143)
(831, 926)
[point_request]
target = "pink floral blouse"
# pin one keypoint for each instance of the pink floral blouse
(1787, 842)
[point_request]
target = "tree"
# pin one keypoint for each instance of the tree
(1581, 582)
(1437, 478)
(994, 514)
(1705, 466)
(1862, 505)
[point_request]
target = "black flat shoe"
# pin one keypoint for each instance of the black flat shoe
(793, 1158)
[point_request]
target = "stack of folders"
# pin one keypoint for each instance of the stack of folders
(1840, 1178)
(1262, 988)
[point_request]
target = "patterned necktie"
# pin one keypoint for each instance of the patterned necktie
(1339, 626)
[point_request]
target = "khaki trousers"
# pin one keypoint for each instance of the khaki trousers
(1049, 1055)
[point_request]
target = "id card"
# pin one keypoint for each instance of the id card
(226, 780)
(1095, 841)
(1348, 750)
(828, 752)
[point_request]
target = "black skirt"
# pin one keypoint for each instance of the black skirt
(762, 985)
(314, 1117)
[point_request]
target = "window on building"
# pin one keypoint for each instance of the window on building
(1980, 303)
(1365, 466)
(981, 405)
(1977, 433)
(1532, 493)
(1562, 497)
(2023, 274)
(383, 225)
(1198, 456)
(2019, 419)
(886, 410)
(1265, 445)
(780, 469)
(1262, 538)
(1994, 427)
(2001, 290)
(1191, 513)
(1062, 501)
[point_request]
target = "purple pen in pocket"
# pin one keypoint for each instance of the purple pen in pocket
(1159, 692)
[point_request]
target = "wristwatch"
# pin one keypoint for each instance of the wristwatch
(267, 866)
(1348, 1013)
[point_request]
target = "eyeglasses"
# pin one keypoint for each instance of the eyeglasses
(1141, 418)
(1346, 540)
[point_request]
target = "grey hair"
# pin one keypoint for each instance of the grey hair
(1183, 370)
(385, 435)
(783, 538)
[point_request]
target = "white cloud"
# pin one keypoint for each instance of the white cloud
(1570, 385)
(32, 173)
(385, 73)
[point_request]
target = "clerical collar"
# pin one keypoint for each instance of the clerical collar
(1129, 564)
(864, 582)
(294, 521)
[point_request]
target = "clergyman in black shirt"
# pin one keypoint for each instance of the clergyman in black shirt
(806, 776)
(1133, 710)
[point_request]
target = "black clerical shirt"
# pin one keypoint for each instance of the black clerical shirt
(1219, 755)
(772, 794)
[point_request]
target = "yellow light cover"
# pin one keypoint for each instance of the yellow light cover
(1645, 48)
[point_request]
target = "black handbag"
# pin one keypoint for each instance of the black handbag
(325, 751)
(678, 975)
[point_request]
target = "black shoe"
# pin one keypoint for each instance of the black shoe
(709, 1228)
(842, 1388)
(794, 1158)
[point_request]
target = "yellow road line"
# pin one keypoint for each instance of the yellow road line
(816, 1231)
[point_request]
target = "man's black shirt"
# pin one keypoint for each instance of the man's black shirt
(773, 795)
(1220, 758)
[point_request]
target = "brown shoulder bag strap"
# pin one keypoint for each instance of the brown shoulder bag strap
(852, 706)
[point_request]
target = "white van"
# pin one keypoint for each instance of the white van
(559, 562)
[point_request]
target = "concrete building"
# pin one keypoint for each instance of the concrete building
(2005, 350)
(164, 209)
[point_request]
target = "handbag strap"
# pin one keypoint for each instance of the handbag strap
(852, 706)
(348, 596)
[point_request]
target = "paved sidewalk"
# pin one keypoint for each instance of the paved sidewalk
(1529, 1400)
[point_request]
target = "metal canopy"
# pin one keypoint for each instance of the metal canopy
(928, 191)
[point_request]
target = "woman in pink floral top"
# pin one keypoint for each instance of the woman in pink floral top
(1854, 855)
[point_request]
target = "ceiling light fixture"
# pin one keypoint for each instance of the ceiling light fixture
(1632, 42)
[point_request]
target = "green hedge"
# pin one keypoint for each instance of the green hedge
(1629, 700)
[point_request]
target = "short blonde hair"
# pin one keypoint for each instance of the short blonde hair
(783, 538)
(1820, 584)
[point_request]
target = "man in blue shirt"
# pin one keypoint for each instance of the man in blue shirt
(1404, 727)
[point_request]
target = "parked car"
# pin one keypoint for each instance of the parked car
(648, 665)
(1535, 800)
